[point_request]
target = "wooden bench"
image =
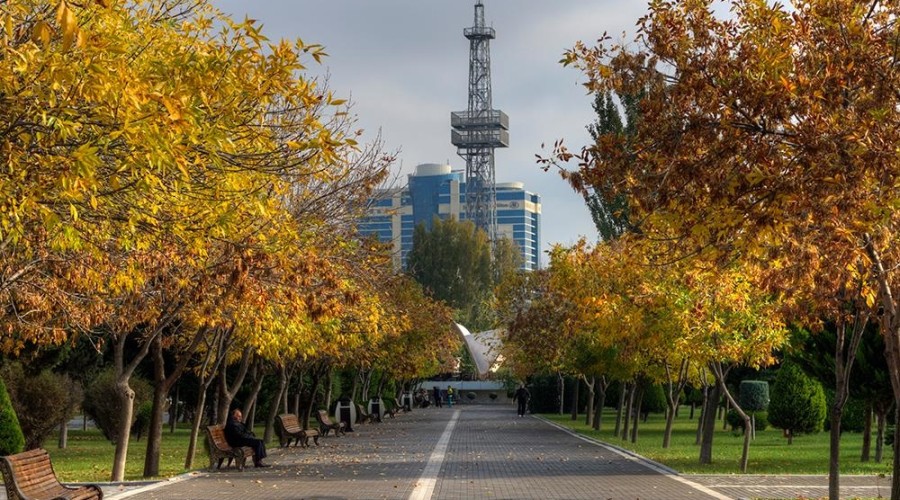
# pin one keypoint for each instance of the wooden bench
(287, 426)
(362, 416)
(219, 449)
(29, 476)
(326, 425)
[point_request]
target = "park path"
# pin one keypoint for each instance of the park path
(465, 452)
(475, 452)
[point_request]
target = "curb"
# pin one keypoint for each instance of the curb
(646, 462)
(143, 486)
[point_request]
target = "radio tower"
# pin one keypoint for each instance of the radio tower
(480, 129)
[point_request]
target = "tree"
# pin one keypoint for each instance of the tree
(11, 439)
(452, 262)
(765, 135)
(798, 402)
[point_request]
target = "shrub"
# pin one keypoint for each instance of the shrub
(493, 396)
(654, 400)
(754, 395)
(798, 402)
(101, 403)
(42, 402)
(853, 418)
(142, 416)
(11, 438)
(736, 423)
(470, 395)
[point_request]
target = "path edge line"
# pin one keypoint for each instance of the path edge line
(630, 455)
(428, 480)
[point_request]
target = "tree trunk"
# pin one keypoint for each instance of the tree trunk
(199, 408)
(250, 405)
(879, 443)
(576, 387)
(125, 397)
(889, 325)
(227, 392)
(843, 364)
(154, 433)
(217, 348)
(561, 387)
(620, 406)
(720, 374)
(602, 385)
(63, 434)
(276, 403)
(589, 414)
(895, 486)
(173, 410)
(703, 412)
(629, 409)
(162, 385)
(673, 393)
(638, 400)
(866, 452)
(329, 381)
(708, 421)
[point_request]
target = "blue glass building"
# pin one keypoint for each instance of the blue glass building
(436, 189)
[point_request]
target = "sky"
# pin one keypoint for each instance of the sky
(404, 65)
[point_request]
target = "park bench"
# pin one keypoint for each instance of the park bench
(362, 416)
(219, 449)
(326, 425)
(287, 426)
(29, 476)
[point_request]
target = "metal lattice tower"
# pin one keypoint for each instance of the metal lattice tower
(480, 129)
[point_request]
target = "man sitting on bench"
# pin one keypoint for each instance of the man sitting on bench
(237, 434)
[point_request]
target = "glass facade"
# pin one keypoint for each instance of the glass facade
(437, 190)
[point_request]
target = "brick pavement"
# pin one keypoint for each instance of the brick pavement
(490, 453)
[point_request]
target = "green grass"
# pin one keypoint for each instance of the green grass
(769, 452)
(89, 456)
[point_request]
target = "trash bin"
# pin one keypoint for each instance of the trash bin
(406, 401)
(345, 412)
(376, 408)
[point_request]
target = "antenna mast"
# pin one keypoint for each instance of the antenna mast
(480, 129)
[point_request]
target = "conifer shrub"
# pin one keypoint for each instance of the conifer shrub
(12, 440)
(654, 400)
(754, 395)
(798, 402)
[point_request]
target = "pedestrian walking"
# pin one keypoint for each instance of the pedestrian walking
(436, 393)
(450, 396)
(522, 396)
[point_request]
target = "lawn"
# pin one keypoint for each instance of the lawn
(89, 457)
(769, 452)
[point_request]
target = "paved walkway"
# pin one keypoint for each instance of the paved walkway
(476, 452)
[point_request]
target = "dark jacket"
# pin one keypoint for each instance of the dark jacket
(236, 432)
(522, 394)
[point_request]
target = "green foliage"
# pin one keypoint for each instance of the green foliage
(853, 417)
(654, 400)
(452, 261)
(610, 213)
(42, 401)
(754, 395)
(101, 403)
(736, 423)
(11, 438)
(798, 402)
(142, 416)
